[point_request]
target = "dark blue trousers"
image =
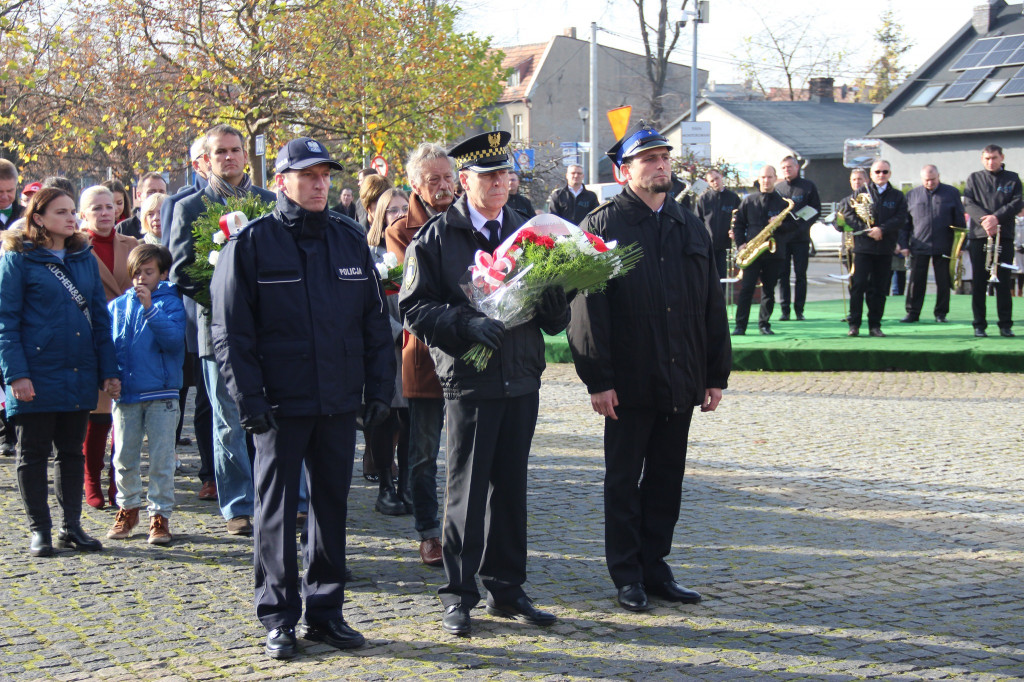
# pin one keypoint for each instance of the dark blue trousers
(326, 444)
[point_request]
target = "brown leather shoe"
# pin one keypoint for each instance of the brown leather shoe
(124, 522)
(159, 530)
(430, 552)
(208, 491)
(240, 525)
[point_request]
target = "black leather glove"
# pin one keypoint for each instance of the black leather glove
(552, 304)
(260, 423)
(374, 414)
(486, 331)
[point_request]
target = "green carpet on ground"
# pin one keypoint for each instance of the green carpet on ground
(820, 343)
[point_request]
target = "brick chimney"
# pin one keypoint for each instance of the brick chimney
(984, 19)
(569, 32)
(821, 90)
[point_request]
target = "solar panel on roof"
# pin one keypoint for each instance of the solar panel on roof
(1000, 54)
(1017, 57)
(975, 53)
(964, 85)
(1015, 86)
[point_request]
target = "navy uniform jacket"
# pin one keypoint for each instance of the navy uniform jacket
(888, 211)
(801, 192)
(299, 320)
(755, 212)
(436, 311)
(997, 194)
(658, 335)
(715, 209)
(930, 216)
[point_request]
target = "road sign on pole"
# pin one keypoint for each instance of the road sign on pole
(619, 118)
(380, 165)
(570, 154)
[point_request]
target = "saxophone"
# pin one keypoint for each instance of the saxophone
(763, 241)
(956, 259)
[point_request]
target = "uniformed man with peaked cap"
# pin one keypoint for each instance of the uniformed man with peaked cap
(650, 347)
(491, 413)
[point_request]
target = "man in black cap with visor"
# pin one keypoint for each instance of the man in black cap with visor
(302, 337)
(650, 347)
(492, 412)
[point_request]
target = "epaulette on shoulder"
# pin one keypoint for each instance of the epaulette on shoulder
(347, 223)
(602, 206)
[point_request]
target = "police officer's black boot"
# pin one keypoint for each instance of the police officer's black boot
(388, 501)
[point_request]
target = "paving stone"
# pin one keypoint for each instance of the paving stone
(840, 526)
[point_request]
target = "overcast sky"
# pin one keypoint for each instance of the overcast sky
(928, 23)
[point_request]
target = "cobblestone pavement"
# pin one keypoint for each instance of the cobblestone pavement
(840, 526)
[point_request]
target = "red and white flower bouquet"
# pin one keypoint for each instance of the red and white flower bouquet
(545, 252)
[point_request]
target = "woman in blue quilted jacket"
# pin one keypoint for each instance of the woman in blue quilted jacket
(55, 351)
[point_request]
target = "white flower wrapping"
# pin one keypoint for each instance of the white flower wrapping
(219, 237)
(390, 260)
(214, 255)
(383, 269)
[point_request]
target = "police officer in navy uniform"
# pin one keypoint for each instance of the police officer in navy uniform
(491, 413)
(301, 333)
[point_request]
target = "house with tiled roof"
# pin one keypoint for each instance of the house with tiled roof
(550, 81)
(751, 134)
(969, 94)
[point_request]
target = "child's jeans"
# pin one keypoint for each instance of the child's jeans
(158, 420)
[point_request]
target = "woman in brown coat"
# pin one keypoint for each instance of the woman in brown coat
(111, 251)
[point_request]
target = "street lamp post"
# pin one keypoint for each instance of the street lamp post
(584, 113)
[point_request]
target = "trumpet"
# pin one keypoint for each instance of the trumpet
(763, 240)
(992, 250)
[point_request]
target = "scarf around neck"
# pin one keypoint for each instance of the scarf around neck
(225, 189)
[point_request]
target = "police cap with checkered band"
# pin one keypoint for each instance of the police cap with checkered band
(483, 153)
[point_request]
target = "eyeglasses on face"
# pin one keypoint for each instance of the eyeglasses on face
(880, 172)
(397, 210)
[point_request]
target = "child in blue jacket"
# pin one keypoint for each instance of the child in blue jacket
(148, 325)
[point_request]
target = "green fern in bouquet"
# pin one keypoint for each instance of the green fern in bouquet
(209, 238)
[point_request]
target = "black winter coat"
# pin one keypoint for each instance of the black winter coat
(888, 211)
(572, 208)
(300, 325)
(715, 209)
(658, 335)
(755, 212)
(436, 310)
(997, 194)
(929, 217)
(803, 193)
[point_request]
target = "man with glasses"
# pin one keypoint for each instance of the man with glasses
(884, 214)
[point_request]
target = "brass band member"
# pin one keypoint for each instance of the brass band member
(755, 212)
(992, 198)
(715, 207)
(885, 210)
(934, 209)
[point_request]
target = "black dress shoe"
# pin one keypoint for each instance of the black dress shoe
(910, 318)
(281, 643)
(854, 331)
(739, 331)
(335, 632)
(673, 591)
(876, 332)
(941, 319)
(766, 330)
(633, 597)
(784, 317)
(456, 620)
(40, 544)
(522, 609)
(800, 317)
(74, 536)
(980, 333)
(1003, 331)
